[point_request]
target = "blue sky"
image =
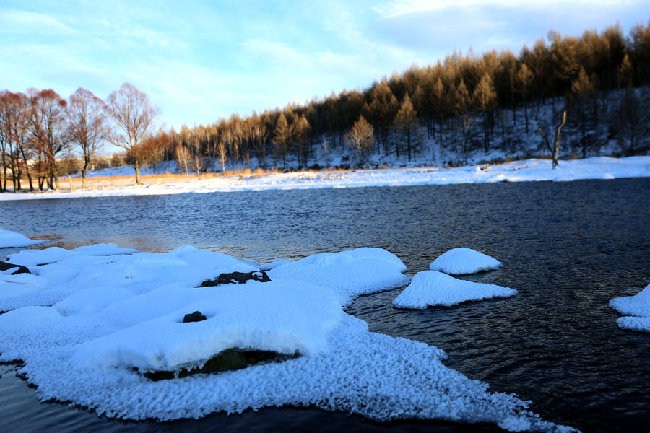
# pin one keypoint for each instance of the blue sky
(202, 60)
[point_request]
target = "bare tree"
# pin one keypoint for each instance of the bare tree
(556, 148)
(361, 137)
(182, 156)
(134, 116)
(87, 125)
(48, 134)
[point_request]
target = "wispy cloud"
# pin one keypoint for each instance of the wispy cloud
(201, 60)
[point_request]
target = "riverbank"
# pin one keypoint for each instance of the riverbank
(517, 171)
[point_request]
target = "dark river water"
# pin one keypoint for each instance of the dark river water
(568, 248)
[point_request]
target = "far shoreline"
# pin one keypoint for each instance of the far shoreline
(248, 180)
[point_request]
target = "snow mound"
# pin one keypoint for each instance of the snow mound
(9, 239)
(350, 273)
(430, 288)
(118, 312)
(275, 316)
(463, 261)
(637, 309)
(70, 271)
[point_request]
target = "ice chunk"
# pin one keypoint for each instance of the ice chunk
(463, 261)
(350, 273)
(430, 288)
(9, 239)
(637, 306)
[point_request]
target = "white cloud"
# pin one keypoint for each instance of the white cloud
(17, 21)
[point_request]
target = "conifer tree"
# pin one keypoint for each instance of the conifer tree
(484, 97)
(282, 138)
(406, 120)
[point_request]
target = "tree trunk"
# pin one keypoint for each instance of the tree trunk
(137, 172)
(556, 148)
(84, 170)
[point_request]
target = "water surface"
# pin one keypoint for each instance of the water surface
(568, 248)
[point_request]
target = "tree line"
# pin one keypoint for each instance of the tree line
(456, 102)
(39, 126)
(444, 100)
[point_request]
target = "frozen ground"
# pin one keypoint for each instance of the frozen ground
(636, 309)
(432, 288)
(519, 171)
(88, 316)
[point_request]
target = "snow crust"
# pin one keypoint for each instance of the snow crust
(9, 239)
(517, 171)
(112, 312)
(463, 261)
(636, 308)
(431, 288)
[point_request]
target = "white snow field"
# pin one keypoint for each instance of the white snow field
(464, 261)
(121, 309)
(432, 288)
(9, 239)
(636, 308)
(518, 171)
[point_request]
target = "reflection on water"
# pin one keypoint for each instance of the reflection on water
(567, 247)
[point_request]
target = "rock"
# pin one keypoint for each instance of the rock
(196, 316)
(20, 269)
(237, 278)
(228, 360)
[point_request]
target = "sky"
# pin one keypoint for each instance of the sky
(203, 60)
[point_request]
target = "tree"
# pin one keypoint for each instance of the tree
(87, 125)
(632, 121)
(302, 135)
(525, 79)
(382, 110)
(182, 156)
(48, 135)
(484, 97)
(361, 137)
(134, 117)
(584, 97)
(282, 138)
(556, 147)
(406, 120)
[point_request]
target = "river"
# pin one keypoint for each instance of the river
(567, 247)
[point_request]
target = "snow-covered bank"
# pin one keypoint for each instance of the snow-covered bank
(114, 309)
(518, 171)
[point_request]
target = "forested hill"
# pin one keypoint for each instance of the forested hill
(463, 108)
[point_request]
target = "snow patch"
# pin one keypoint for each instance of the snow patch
(636, 308)
(463, 261)
(431, 288)
(9, 239)
(350, 273)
